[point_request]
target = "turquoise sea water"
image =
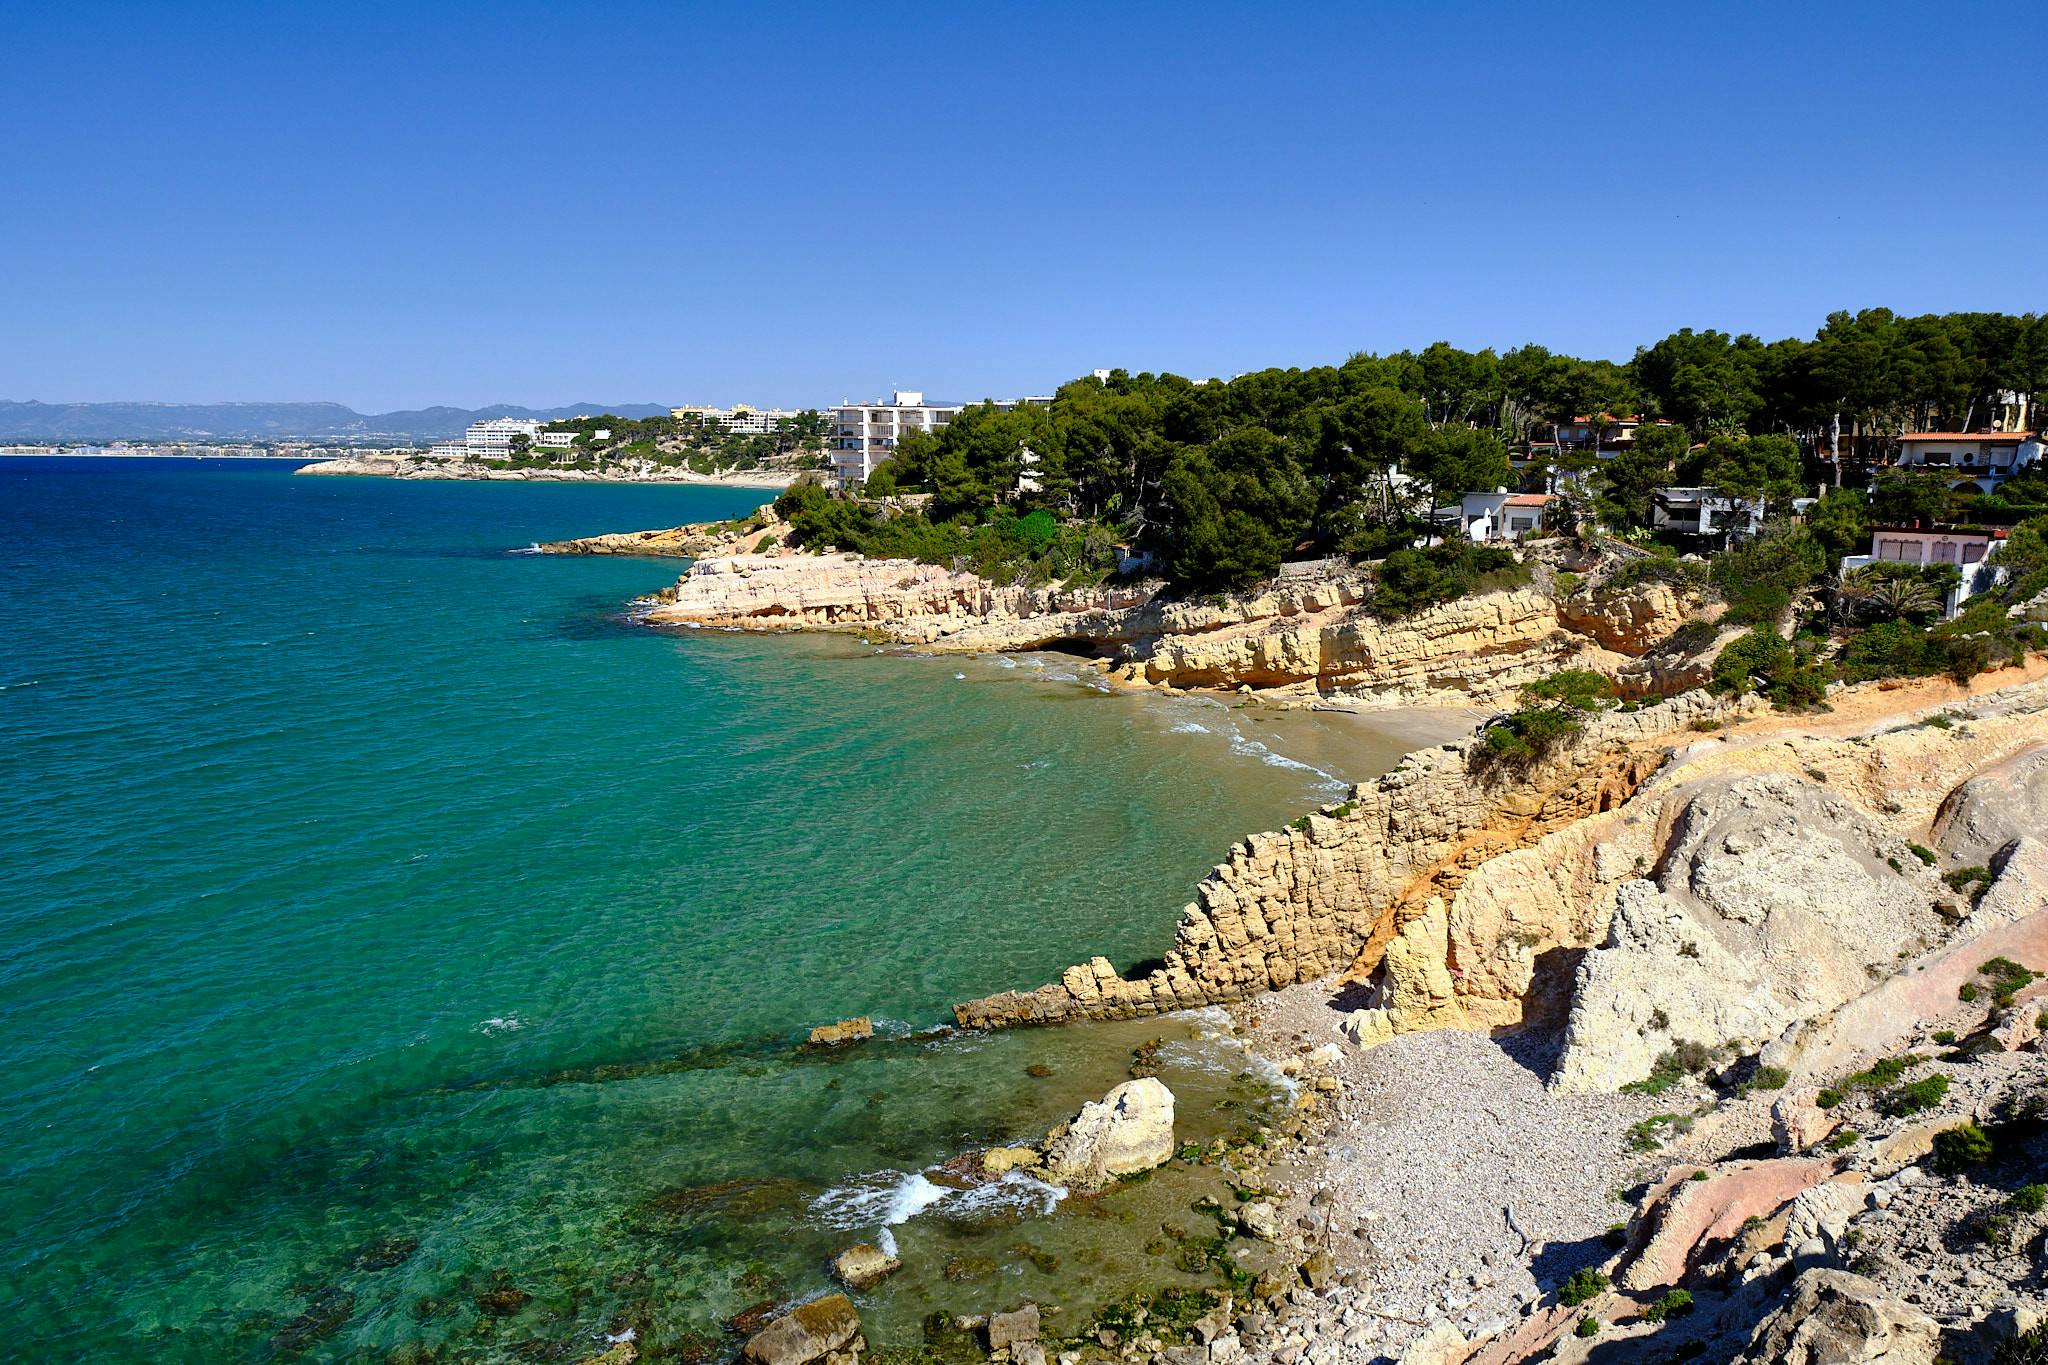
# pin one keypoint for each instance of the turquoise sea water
(385, 920)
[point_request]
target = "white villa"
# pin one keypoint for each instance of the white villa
(1970, 551)
(1984, 459)
(1499, 515)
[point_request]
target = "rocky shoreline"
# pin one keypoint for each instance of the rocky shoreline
(1711, 1033)
(1304, 640)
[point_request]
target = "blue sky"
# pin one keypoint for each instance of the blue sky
(395, 205)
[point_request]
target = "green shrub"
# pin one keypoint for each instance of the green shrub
(1683, 574)
(1761, 579)
(1916, 1096)
(2006, 977)
(1967, 992)
(1769, 1078)
(1676, 1303)
(2029, 1199)
(1530, 733)
(1583, 1287)
(1579, 688)
(1829, 1097)
(2028, 1348)
(1959, 1148)
(1844, 1139)
(1765, 662)
(1944, 1036)
(1407, 581)
(1925, 855)
(1650, 1133)
(1589, 1326)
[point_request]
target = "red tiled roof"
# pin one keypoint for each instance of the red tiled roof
(1967, 436)
(1527, 500)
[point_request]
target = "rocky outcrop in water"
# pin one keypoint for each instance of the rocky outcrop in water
(1129, 1130)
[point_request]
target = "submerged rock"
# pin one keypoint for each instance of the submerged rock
(811, 1331)
(384, 1253)
(1129, 1130)
(863, 1266)
(323, 1317)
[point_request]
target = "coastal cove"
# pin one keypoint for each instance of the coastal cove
(394, 927)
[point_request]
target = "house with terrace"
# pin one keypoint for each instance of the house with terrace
(1971, 461)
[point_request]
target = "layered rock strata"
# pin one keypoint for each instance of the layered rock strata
(1331, 894)
(1295, 639)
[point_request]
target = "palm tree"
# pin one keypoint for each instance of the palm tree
(1873, 593)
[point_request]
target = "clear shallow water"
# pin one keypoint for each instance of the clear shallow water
(360, 880)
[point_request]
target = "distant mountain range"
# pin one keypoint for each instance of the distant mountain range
(33, 421)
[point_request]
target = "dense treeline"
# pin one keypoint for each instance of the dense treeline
(1223, 479)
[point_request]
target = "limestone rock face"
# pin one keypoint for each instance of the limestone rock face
(1441, 1343)
(1129, 1130)
(1773, 903)
(1834, 1318)
(1798, 1122)
(1632, 620)
(1298, 904)
(812, 1331)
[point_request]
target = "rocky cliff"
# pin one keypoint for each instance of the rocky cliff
(1644, 886)
(1303, 639)
(1335, 892)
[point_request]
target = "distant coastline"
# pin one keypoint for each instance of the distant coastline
(376, 467)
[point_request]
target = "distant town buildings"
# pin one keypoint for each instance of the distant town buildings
(865, 434)
(739, 418)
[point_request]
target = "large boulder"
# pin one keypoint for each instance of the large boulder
(1129, 1130)
(1834, 1318)
(1775, 902)
(816, 1330)
(1986, 813)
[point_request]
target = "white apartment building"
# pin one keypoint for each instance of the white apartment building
(865, 434)
(555, 440)
(491, 439)
(740, 418)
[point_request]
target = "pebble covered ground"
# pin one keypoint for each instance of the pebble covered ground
(1450, 1183)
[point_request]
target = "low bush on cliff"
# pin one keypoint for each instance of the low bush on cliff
(1002, 546)
(1557, 708)
(1765, 662)
(1683, 575)
(1408, 581)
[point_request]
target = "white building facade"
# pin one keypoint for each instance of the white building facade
(865, 434)
(1983, 458)
(740, 418)
(491, 439)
